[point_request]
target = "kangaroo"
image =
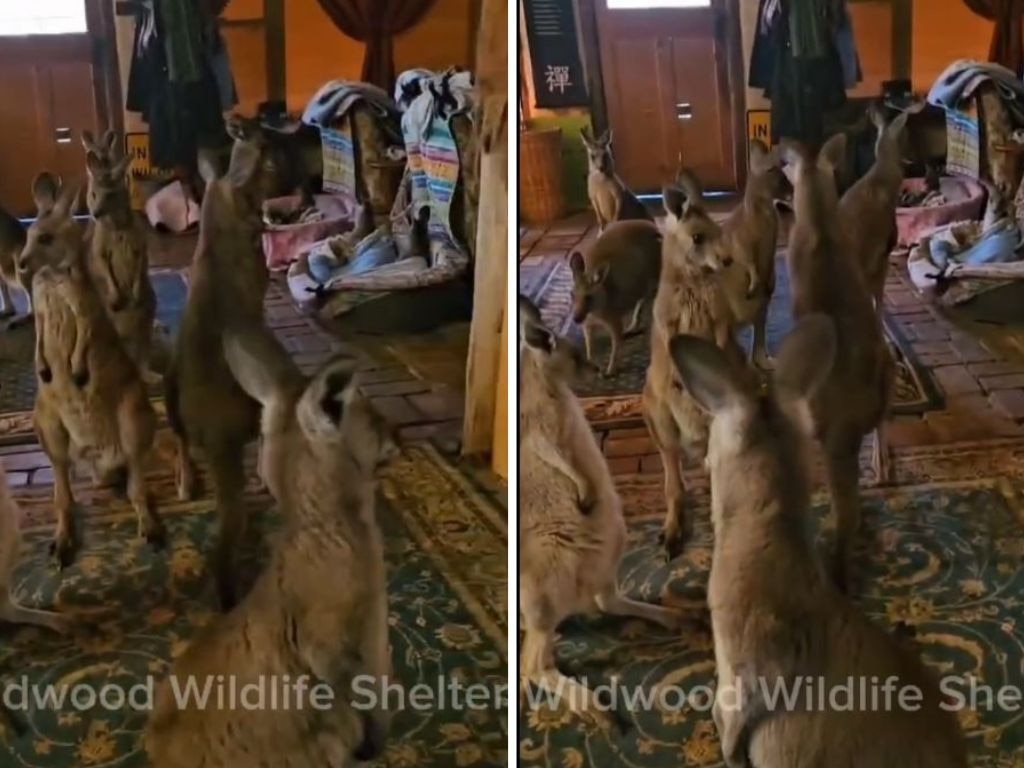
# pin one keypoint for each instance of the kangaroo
(751, 232)
(319, 610)
(609, 195)
(618, 276)
(571, 526)
(206, 407)
(12, 243)
(854, 398)
(689, 300)
(15, 270)
(91, 405)
(776, 616)
(118, 257)
(107, 149)
(868, 208)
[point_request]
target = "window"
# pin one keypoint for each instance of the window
(639, 5)
(42, 17)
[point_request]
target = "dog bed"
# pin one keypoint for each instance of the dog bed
(964, 201)
(283, 243)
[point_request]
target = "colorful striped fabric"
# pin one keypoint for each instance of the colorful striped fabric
(339, 159)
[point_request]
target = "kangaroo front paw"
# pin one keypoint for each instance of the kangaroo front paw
(45, 375)
(673, 539)
(80, 378)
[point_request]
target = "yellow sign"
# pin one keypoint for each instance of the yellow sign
(140, 170)
(759, 126)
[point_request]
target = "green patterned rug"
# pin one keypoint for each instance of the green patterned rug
(943, 554)
(446, 546)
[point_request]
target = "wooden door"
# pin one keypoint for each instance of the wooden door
(52, 87)
(671, 87)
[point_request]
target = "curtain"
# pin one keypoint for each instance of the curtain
(1007, 41)
(376, 22)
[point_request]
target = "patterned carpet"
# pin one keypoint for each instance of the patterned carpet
(17, 373)
(942, 553)
(137, 609)
(617, 399)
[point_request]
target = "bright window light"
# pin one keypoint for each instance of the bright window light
(638, 5)
(42, 17)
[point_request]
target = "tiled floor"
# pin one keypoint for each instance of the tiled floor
(981, 378)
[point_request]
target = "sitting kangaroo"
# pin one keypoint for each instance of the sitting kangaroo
(206, 407)
(751, 232)
(689, 300)
(91, 405)
(320, 607)
(616, 278)
(855, 397)
(868, 208)
(777, 619)
(570, 525)
(609, 195)
(118, 258)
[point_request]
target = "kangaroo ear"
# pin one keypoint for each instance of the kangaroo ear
(110, 141)
(708, 375)
(538, 337)
(67, 203)
(761, 158)
(833, 154)
(209, 166)
(120, 169)
(676, 201)
(93, 163)
(321, 408)
(528, 311)
(805, 358)
(89, 142)
(45, 187)
(687, 181)
(246, 161)
(576, 263)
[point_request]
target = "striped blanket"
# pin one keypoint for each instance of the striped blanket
(339, 159)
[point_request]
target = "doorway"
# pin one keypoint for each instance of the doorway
(673, 86)
(53, 85)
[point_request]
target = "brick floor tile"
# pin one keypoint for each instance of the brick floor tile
(395, 388)
(906, 432)
(397, 410)
(995, 368)
(627, 446)
(385, 375)
(970, 349)
(1006, 381)
(1009, 402)
(25, 461)
(651, 464)
(439, 430)
(439, 404)
(956, 380)
(624, 465)
(929, 331)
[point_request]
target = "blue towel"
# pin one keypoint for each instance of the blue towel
(335, 98)
(373, 251)
(998, 244)
(961, 79)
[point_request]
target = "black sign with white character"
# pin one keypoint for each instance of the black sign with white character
(558, 79)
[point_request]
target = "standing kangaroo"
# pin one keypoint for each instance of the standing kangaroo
(777, 619)
(91, 405)
(854, 398)
(868, 208)
(118, 257)
(751, 232)
(206, 406)
(319, 609)
(615, 279)
(571, 526)
(609, 195)
(689, 300)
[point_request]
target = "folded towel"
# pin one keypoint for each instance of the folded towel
(961, 79)
(335, 98)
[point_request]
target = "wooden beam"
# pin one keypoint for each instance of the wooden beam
(277, 75)
(492, 256)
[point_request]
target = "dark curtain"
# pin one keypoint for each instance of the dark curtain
(376, 22)
(1007, 42)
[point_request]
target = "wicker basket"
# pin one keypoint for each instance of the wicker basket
(541, 197)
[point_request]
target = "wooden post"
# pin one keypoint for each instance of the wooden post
(492, 257)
